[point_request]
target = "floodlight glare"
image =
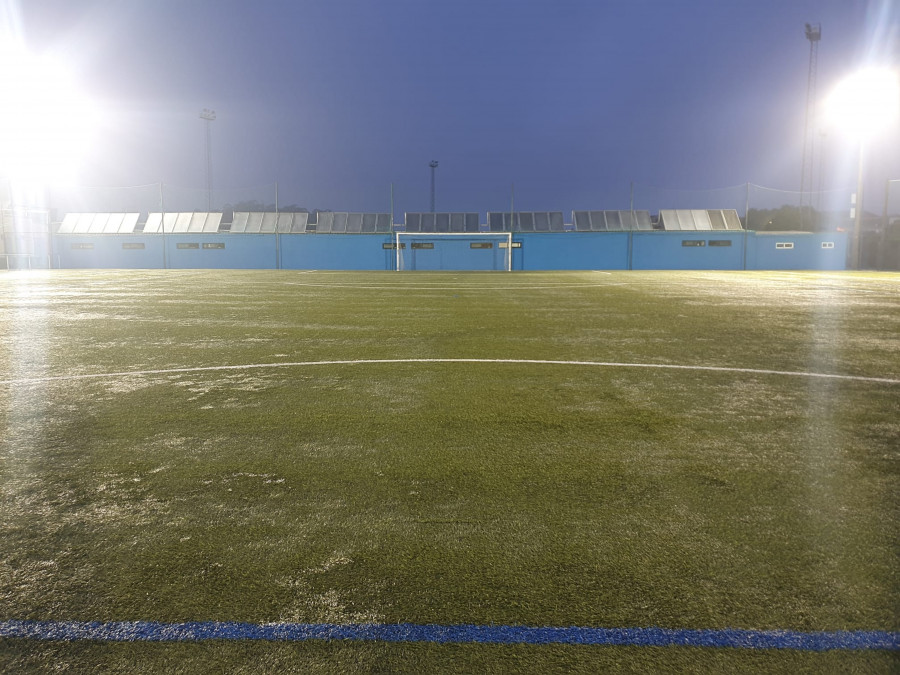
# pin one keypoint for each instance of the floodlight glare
(862, 106)
(45, 123)
(864, 103)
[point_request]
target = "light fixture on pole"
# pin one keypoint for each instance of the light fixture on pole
(861, 106)
(208, 116)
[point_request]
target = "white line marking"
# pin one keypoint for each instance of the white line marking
(443, 287)
(601, 364)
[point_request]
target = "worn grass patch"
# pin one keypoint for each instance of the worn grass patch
(545, 495)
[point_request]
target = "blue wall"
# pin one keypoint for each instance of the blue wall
(688, 250)
(78, 251)
(807, 252)
(539, 251)
(335, 251)
(241, 251)
(571, 251)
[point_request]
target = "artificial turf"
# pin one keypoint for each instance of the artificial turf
(449, 492)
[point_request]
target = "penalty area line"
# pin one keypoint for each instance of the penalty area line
(350, 362)
(151, 631)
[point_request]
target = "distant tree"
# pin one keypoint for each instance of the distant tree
(254, 206)
(785, 218)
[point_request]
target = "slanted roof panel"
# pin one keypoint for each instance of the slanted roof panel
(325, 222)
(669, 220)
(212, 223)
(701, 220)
(153, 223)
(716, 219)
(581, 220)
(642, 220)
(98, 224)
(239, 221)
(113, 223)
(354, 223)
(196, 222)
(67, 226)
(285, 222)
(254, 222)
(732, 220)
(383, 222)
(412, 222)
(182, 222)
(597, 220)
(340, 221)
(268, 222)
(301, 220)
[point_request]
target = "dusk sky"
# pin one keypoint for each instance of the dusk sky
(570, 100)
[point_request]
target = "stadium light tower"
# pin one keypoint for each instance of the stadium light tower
(862, 105)
(208, 116)
(433, 164)
(813, 34)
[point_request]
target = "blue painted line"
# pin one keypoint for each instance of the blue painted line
(150, 631)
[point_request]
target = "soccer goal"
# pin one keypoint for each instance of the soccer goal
(23, 261)
(454, 251)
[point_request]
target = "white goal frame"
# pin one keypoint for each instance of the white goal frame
(505, 239)
(30, 256)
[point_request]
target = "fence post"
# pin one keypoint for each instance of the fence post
(162, 224)
(747, 209)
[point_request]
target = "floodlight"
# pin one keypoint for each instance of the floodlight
(864, 103)
(45, 122)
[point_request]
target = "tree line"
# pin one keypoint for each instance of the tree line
(254, 205)
(794, 218)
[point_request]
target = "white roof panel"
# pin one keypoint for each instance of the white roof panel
(67, 226)
(213, 221)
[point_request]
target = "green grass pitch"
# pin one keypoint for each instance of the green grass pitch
(447, 492)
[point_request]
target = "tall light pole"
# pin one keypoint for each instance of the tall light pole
(813, 34)
(208, 116)
(433, 164)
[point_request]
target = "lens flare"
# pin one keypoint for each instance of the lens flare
(864, 103)
(46, 124)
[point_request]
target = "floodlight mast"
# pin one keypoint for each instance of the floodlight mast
(813, 34)
(208, 116)
(858, 207)
(433, 164)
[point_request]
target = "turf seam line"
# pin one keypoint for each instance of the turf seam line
(152, 631)
(604, 364)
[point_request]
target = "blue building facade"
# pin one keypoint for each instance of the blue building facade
(717, 250)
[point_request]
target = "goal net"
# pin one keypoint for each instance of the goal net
(453, 251)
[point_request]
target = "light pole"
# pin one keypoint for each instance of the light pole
(858, 207)
(208, 116)
(433, 164)
(813, 34)
(862, 105)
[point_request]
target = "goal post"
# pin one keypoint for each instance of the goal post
(453, 251)
(23, 261)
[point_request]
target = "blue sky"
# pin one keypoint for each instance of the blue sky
(570, 100)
